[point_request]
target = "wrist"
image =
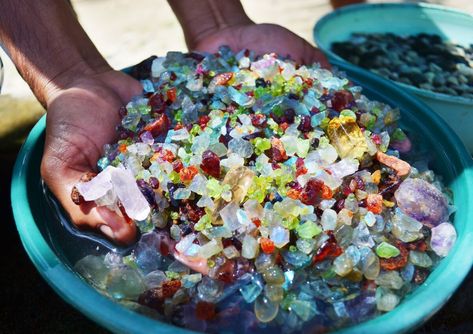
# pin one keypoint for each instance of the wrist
(47, 88)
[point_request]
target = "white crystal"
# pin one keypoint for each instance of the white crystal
(229, 216)
(249, 247)
(183, 245)
(241, 147)
(233, 160)
(135, 204)
(329, 220)
(280, 236)
(98, 186)
(231, 252)
(344, 167)
(443, 238)
(210, 249)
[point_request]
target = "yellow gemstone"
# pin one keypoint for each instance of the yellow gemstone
(346, 136)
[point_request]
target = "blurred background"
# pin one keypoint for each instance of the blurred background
(126, 32)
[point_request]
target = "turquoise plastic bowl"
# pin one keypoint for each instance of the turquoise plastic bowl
(53, 250)
(405, 19)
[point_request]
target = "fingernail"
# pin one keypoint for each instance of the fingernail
(105, 229)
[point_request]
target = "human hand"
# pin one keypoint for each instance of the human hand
(261, 38)
(81, 118)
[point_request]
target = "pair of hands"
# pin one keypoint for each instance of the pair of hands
(82, 118)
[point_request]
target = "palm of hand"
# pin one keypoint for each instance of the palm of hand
(263, 38)
(80, 120)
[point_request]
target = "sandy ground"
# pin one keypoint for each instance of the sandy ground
(126, 33)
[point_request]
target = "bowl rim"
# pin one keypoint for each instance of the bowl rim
(387, 6)
(117, 318)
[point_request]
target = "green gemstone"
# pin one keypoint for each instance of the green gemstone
(308, 230)
(386, 250)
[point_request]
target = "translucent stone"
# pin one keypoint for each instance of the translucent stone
(443, 238)
(297, 259)
(198, 184)
(329, 220)
(422, 201)
(390, 279)
(240, 98)
(280, 236)
(362, 236)
(249, 247)
(130, 196)
(175, 232)
(308, 230)
(306, 246)
(304, 309)
(243, 217)
(189, 281)
(206, 202)
(344, 167)
(209, 289)
(369, 263)
(274, 293)
(210, 249)
(230, 217)
(146, 257)
(420, 259)
(253, 209)
(125, 283)
(346, 137)
(93, 269)
(113, 260)
(265, 310)
(252, 290)
(154, 279)
(180, 135)
(386, 300)
(181, 193)
(231, 252)
(183, 245)
(354, 254)
(98, 186)
(343, 265)
(386, 250)
(344, 217)
(274, 275)
(407, 272)
(369, 219)
(200, 143)
(232, 161)
(241, 147)
(405, 228)
(264, 261)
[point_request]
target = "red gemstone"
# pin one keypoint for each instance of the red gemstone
(186, 174)
(159, 126)
(258, 120)
(398, 262)
(312, 193)
(157, 104)
(225, 272)
(305, 125)
(210, 164)
(342, 100)
(203, 120)
(177, 166)
(256, 221)
(169, 288)
(278, 153)
(205, 311)
(267, 245)
(329, 249)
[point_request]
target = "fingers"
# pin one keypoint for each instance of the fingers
(198, 264)
(61, 180)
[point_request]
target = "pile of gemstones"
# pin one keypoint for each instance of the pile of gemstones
(270, 197)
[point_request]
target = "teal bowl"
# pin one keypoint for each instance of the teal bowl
(406, 19)
(53, 250)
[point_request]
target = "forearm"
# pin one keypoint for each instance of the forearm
(199, 18)
(47, 44)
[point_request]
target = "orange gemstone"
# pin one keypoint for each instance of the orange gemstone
(171, 94)
(186, 174)
(267, 245)
(122, 148)
(256, 221)
(293, 193)
(374, 203)
(326, 192)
